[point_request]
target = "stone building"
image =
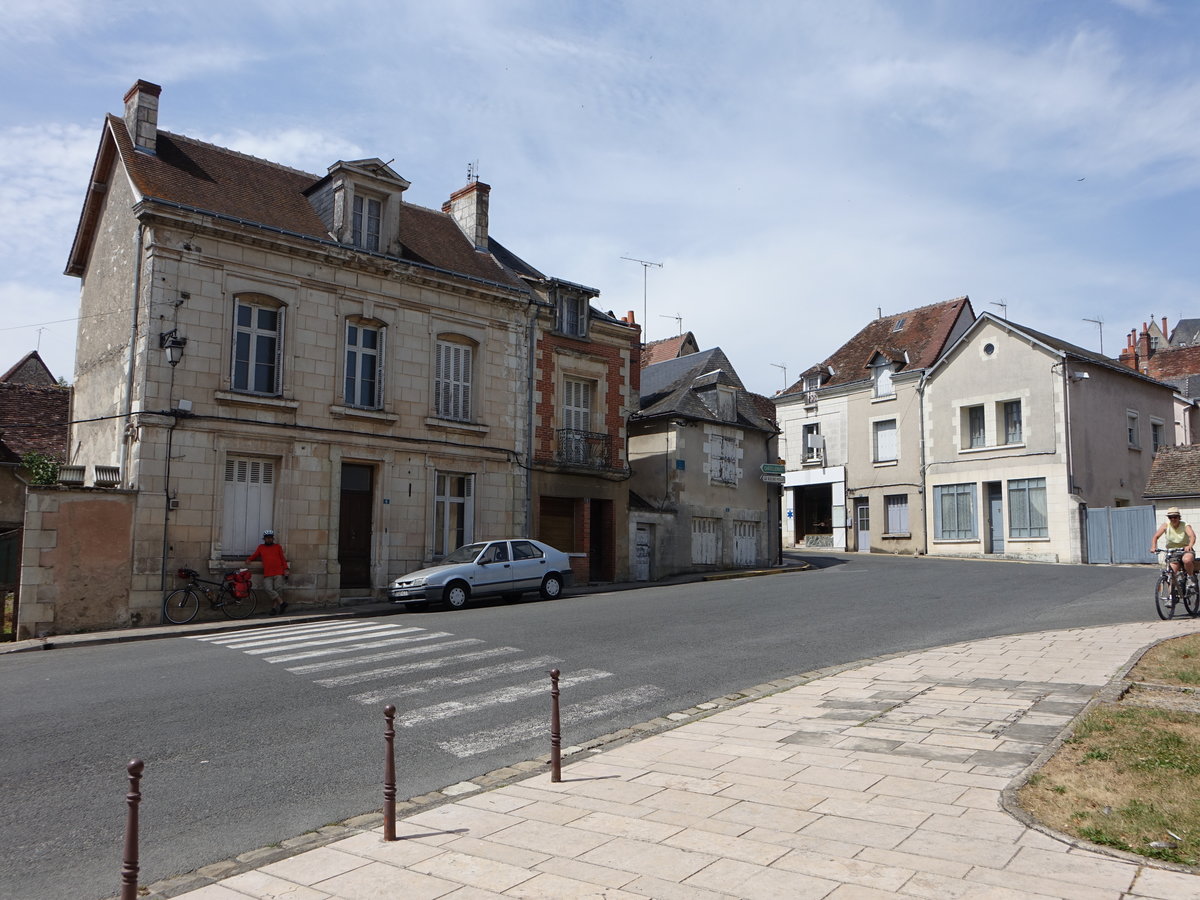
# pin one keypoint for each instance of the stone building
(317, 355)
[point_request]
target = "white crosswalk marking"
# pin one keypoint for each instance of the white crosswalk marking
(572, 713)
(327, 664)
(337, 655)
(422, 666)
(432, 684)
(494, 698)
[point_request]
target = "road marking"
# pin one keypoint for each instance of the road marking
(327, 664)
(572, 714)
(445, 681)
(259, 633)
(423, 665)
(300, 643)
(494, 698)
(276, 641)
(352, 648)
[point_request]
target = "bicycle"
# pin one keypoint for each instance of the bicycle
(1174, 587)
(181, 605)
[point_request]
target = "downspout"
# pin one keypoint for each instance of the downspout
(921, 477)
(123, 443)
(532, 392)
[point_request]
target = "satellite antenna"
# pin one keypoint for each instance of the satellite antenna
(678, 321)
(1099, 323)
(1003, 308)
(646, 264)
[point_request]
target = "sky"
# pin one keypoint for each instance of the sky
(792, 169)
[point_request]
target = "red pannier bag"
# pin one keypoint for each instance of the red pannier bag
(240, 581)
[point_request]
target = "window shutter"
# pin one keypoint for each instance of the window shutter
(379, 357)
(279, 355)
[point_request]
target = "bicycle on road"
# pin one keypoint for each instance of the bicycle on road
(1174, 587)
(232, 595)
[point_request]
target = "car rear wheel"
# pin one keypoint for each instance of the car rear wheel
(551, 587)
(457, 595)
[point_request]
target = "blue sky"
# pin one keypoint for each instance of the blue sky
(795, 166)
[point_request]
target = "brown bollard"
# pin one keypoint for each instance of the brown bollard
(129, 871)
(389, 775)
(555, 731)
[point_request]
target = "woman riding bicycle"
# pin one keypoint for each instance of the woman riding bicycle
(1179, 536)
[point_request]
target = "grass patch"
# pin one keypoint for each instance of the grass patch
(1129, 777)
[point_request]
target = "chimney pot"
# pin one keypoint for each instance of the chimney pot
(141, 114)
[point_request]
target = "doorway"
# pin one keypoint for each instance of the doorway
(995, 526)
(354, 525)
(862, 526)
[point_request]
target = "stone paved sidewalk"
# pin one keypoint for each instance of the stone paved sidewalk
(885, 780)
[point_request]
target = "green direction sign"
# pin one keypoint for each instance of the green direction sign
(773, 468)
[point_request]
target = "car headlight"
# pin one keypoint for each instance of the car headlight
(408, 582)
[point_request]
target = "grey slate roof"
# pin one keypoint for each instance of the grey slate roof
(1175, 472)
(672, 388)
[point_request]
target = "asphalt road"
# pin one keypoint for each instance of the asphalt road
(250, 739)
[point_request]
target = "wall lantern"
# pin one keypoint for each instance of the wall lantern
(173, 344)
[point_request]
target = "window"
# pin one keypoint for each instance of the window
(885, 440)
(577, 404)
(257, 348)
(976, 433)
(1012, 422)
(722, 459)
(249, 503)
(896, 506)
(1157, 435)
(573, 314)
(453, 512)
(452, 382)
(954, 512)
(882, 374)
(814, 444)
(1131, 429)
(1027, 508)
(364, 366)
(526, 550)
(368, 213)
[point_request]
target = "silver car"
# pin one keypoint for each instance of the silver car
(505, 569)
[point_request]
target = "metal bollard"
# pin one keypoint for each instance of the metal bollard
(555, 731)
(129, 871)
(389, 775)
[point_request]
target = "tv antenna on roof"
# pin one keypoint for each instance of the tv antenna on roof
(782, 366)
(472, 172)
(678, 321)
(1003, 308)
(1099, 323)
(646, 264)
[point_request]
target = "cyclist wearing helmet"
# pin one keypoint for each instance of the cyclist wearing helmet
(275, 570)
(1179, 536)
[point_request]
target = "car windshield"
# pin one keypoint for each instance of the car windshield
(463, 554)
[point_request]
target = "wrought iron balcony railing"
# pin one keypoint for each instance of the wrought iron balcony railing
(584, 448)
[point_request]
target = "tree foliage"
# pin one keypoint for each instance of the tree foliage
(42, 469)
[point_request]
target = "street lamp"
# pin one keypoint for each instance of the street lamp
(173, 344)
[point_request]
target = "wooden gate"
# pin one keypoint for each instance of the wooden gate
(706, 545)
(1119, 534)
(745, 543)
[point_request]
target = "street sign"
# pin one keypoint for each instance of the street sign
(773, 479)
(773, 468)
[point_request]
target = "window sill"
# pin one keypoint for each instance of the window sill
(991, 447)
(883, 399)
(884, 463)
(1028, 540)
(956, 540)
(354, 412)
(573, 337)
(896, 535)
(452, 425)
(238, 399)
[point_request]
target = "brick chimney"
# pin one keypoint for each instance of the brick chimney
(469, 207)
(141, 115)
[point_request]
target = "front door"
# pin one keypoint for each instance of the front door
(862, 525)
(641, 552)
(354, 525)
(995, 518)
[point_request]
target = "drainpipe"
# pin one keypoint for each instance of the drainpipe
(533, 317)
(127, 413)
(921, 477)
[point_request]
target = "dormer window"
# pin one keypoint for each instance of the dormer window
(367, 220)
(572, 314)
(726, 403)
(882, 372)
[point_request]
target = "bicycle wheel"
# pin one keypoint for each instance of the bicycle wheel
(237, 607)
(181, 606)
(1191, 600)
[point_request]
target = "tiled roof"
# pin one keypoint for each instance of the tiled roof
(34, 418)
(1175, 363)
(670, 388)
(1186, 333)
(30, 370)
(914, 339)
(656, 352)
(204, 177)
(1175, 472)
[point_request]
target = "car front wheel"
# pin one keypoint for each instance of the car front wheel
(457, 595)
(551, 587)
